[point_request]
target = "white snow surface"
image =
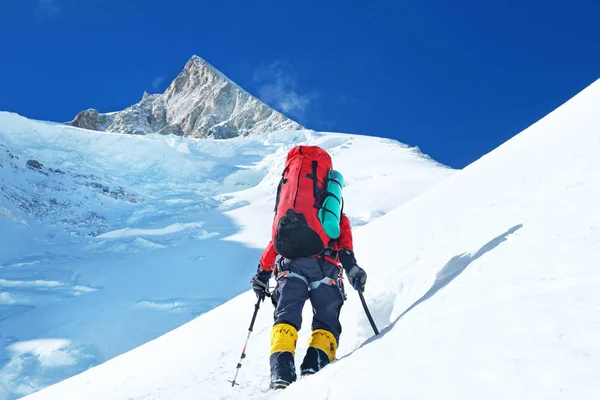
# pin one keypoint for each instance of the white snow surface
(485, 286)
(109, 241)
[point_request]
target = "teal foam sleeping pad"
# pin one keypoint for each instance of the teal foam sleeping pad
(331, 211)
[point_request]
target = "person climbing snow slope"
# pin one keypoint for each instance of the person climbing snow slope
(311, 236)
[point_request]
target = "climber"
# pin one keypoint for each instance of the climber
(311, 236)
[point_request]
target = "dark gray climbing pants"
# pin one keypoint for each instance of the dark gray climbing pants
(297, 282)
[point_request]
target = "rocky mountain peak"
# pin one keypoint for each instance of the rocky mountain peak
(200, 102)
(200, 64)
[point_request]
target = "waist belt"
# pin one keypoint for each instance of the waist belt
(311, 285)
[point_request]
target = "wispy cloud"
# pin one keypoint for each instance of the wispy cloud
(46, 8)
(278, 88)
(157, 82)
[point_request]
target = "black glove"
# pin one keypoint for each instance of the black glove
(356, 275)
(260, 283)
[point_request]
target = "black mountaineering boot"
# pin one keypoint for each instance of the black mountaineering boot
(283, 369)
(314, 360)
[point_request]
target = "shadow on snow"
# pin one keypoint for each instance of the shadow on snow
(453, 268)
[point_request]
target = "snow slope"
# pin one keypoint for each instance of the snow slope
(109, 241)
(486, 286)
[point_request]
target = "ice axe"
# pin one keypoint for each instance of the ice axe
(364, 304)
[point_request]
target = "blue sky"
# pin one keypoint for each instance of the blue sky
(456, 78)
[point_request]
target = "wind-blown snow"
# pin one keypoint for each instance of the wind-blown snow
(109, 240)
(485, 286)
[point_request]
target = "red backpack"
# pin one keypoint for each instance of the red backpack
(297, 231)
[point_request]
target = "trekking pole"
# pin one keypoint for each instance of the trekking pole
(364, 304)
(256, 307)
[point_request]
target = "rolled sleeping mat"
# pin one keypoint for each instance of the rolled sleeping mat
(331, 211)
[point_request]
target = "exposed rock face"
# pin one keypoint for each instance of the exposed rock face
(34, 164)
(91, 119)
(173, 129)
(200, 102)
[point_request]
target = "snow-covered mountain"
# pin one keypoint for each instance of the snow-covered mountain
(200, 102)
(485, 286)
(109, 240)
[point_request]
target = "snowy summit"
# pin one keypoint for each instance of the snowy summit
(200, 102)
